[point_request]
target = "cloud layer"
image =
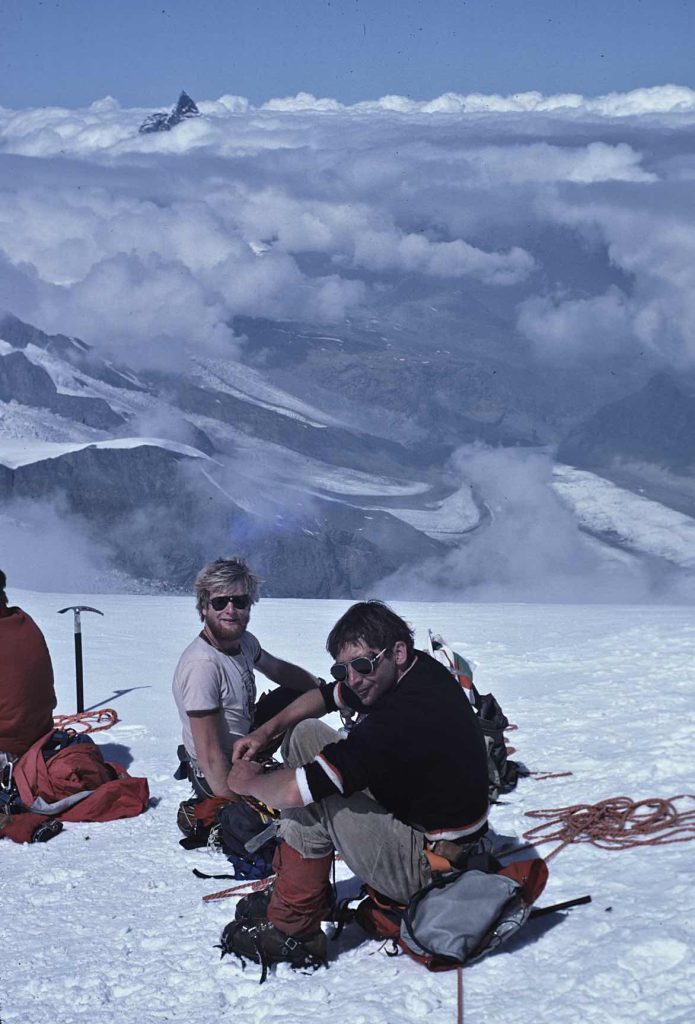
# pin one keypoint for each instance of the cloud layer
(532, 547)
(149, 245)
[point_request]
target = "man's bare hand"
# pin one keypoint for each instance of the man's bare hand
(243, 775)
(247, 747)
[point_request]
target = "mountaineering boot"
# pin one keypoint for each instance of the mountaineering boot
(262, 942)
(302, 895)
(253, 906)
(291, 932)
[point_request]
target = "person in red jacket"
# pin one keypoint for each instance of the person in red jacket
(27, 694)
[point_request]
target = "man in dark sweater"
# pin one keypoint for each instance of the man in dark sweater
(410, 777)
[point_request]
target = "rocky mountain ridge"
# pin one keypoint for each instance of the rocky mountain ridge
(160, 122)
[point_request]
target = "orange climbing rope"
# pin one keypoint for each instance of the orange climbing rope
(250, 885)
(87, 721)
(615, 824)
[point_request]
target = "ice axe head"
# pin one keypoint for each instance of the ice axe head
(77, 609)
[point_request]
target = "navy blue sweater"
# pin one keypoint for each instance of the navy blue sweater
(419, 750)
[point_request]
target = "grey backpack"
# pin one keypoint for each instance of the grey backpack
(460, 916)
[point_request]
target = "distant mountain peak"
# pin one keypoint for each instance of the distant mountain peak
(161, 122)
(185, 107)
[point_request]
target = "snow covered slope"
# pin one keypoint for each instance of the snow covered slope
(105, 923)
(14, 453)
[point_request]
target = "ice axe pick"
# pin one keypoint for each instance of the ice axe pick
(78, 609)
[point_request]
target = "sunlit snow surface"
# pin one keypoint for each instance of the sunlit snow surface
(105, 924)
(632, 520)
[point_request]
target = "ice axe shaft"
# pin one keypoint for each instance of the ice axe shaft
(79, 678)
(578, 902)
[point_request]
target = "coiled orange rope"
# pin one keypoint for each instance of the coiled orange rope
(615, 824)
(87, 721)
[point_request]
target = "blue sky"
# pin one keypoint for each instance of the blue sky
(71, 52)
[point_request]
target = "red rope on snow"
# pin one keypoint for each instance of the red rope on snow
(252, 885)
(618, 823)
(87, 721)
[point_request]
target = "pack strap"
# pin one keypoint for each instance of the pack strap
(203, 874)
(10, 801)
(6, 782)
(262, 837)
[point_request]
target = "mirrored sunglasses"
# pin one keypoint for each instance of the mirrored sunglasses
(237, 600)
(364, 665)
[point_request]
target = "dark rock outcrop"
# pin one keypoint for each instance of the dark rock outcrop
(161, 122)
(73, 350)
(654, 425)
(25, 382)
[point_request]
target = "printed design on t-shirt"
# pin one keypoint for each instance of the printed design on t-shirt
(249, 683)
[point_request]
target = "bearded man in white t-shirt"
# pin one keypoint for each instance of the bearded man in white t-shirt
(214, 684)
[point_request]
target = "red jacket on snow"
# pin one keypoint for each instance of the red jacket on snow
(72, 770)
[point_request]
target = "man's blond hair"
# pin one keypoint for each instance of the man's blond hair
(222, 575)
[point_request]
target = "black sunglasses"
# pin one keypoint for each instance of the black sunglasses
(238, 601)
(364, 665)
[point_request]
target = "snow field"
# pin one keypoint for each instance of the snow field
(105, 923)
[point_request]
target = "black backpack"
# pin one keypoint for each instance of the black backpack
(503, 774)
(238, 825)
(241, 829)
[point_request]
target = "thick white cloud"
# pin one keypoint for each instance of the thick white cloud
(308, 209)
(541, 162)
(565, 331)
(650, 239)
(532, 548)
(150, 310)
(358, 234)
(656, 100)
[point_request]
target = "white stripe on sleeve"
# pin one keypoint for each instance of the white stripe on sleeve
(303, 786)
(332, 772)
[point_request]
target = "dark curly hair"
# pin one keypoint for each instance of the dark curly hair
(373, 623)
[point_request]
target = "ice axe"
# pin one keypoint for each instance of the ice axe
(78, 609)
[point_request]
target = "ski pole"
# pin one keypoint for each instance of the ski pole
(77, 609)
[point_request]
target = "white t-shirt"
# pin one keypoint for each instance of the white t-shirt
(207, 679)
